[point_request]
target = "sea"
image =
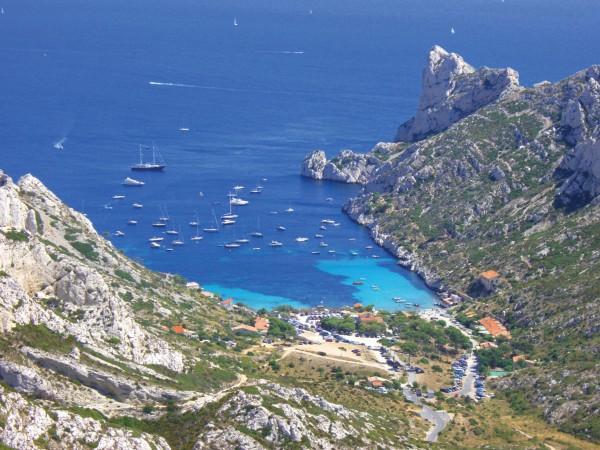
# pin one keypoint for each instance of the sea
(258, 85)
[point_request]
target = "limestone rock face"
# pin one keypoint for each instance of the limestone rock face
(582, 169)
(580, 119)
(313, 165)
(26, 426)
(38, 272)
(347, 167)
(283, 421)
(452, 90)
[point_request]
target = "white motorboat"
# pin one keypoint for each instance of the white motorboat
(131, 182)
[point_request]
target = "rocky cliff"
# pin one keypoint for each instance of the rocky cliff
(510, 183)
(452, 90)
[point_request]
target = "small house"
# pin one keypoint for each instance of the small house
(261, 324)
(489, 279)
(193, 286)
(494, 327)
(227, 304)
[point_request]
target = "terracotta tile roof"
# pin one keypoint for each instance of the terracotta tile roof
(490, 274)
(227, 302)
(377, 383)
(164, 327)
(357, 305)
(369, 317)
(518, 358)
(494, 327)
(485, 345)
(178, 329)
(261, 324)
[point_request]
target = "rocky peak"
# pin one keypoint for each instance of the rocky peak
(452, 90)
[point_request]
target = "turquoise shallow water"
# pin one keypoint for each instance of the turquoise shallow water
(382, 281)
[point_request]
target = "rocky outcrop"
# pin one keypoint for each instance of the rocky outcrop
(347, 167)
(41, 276)
(580, 119)
(118, 387)
(452, 90)
(27, 426)
(581, 168)
(282, 419)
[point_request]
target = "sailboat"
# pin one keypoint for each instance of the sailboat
(452, 30)
(197, 237)
(290, 209)
(212, 229)
(154, 165)
(227, 219)
(257, 233)
(178, 241)
(235, 24)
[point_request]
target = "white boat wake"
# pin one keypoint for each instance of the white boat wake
(281, 52)
(194, 86)
(59, 145)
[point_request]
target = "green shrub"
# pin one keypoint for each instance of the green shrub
(20, 236)
(124, 275)
(86, 249)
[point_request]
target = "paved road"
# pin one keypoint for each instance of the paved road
(439, 419)
(468, 388)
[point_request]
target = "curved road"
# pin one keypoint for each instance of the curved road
(439, 419)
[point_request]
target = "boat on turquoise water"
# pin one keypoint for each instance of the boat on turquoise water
(316, 252)
(329, 221)
(173, 232)
(358, 283)
(156, 239)
(242, 241)
(275, 244)
(322, 227)
(118, 197)
(132, 222)
(138, 205)
(227, 222)
(301, 239)
(232, 245)
(119, 233)
(281, 228)
(257, 234)
(322, 244)
(154, 245)
(159, 224)
(146, 166)
(319, 236)
(398, 299)
(353, 253)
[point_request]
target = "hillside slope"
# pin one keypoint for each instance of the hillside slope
(93, 353)
(490, 175)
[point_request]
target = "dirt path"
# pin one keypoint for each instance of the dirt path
(331, 358)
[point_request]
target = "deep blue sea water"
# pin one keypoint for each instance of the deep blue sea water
(257, 97)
